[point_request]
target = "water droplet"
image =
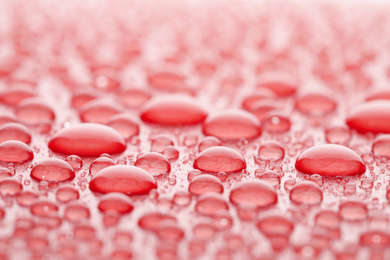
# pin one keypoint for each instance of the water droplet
(167, 81)
(170, 231)
(153, 220)
(87, 139)
(211, 204)
(34, 111)
(15, 131)
(328, 219)
(375, 239)
(98, 111)
(134, 98)
(173, 110)
(10, 187)
(275, 225)
(232, 124)
(338, 135)
(26, 198)
(76, 212)
(306, 193)
(254, 193)
(129, 180)
(12, 97)
(262, 108)
(330, 160)
(4, 173)
(205, 183)
(193, 174)
(271, 177)
(280, 88)
(181, 199)
(171, 153)
(353, 211)
(316, 104)
(207, 142)
(125, 125)
(66, 194)
(381, 146)
(99, 164)
(154, 163)
(81, 98)
(249, 102)
(271, 150)
(74, 161)
(43, 208)
(117, 202)
(52, 170)
(220, 159)
(276, 124)
(15, 151)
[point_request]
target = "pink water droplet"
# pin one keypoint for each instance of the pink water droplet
(121, 254)
(280, 88)
(170, 232)
(117, 202)
(262, 108)
(153, 220)
(260, 94)
(375, 239)
(207, 142)
(34, 111)
(105, 77)
(134, 98)
(26, 198)
(66, 194)
(330, 160)
(52, 170)
(211, 204)
(204, 231)
(4, 173)
(271, 177)
(181, 198)
(160, 142)
(124, 124)
(173, 110)
(10, 187)
(328, 219)
(81, 98)
(275, 225)
(338, 135)
(87, 139)
(220, 159)
(381, 146)
(43, 208)
(98, 111)
(316, 104)
(83, 232)
(76, 212)
(4, 119)
(306, 193)
(15, 95)
(74, 161)
(167, 81)
(99, 164)
(154, 163)
(15, 151)
(276, 123)
(271, 150)
(353, 211)
(253, 193)
(379, 95)
(232, 124)
(193, 174)
(205, 183)
(129, 180)
(373, 116)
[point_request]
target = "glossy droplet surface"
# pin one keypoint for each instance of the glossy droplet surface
(271, 150)
(116, 202)
(99, 164)
(220, 159)
(44, 208)
(52, 170)
(207, 142)
(15, 151)
(232, 124)
(167, 81)
(249, 102)
(173, 110)
(306, 193)
(134, 98)
(253, 193)
(98, 111)
(14, 96)
(34, 111)
(353, 211)
(15, 131)
(375, 238)
(275, 225)
(338, 135)
(153, 220)
(316, 104)
(154, 163)
(275, 123)
(381, 146)
(66, 194)
(124, 124)
(373, 116)
(10, 187)
(211, 204)
(330, 160)
(129, 180)
(87, 139)
(204, 184)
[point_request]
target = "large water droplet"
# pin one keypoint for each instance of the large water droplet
(154, 163)
(52, 170)
(34, 111)
(15, 131)
(353, 211)
(117, 202)
(204, 184)
(253, 193)
(15, 151)
(220, 159)
(306, 193)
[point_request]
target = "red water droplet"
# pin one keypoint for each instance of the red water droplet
(2, 215)
(160, 142)
(98, 111)
(381, 146)
(328, 219)
(121, 254)
(276, 124)
(87, 139)
(34, 111)
(171, 153)
(379, 95)
(207, 142)
(26, 198)
(4, 119)
(220, 159)
(14, 96)
(154, 163)
(205, 184)
(52, 170)
(134, 98)
(153, 220)
(316, 104)
(353, 211)
(173, 110)
(281, 89)
(271, 150)
(124, 124)
(330, 160)
(117, 202)
(76, 212)
(253, 193)
(15, 151)
(4, 173)
(271, 177)
(375, 239)
(211, 204)
(249, 102)
(10, 187)
(74, 161)
(338, 135)
(81, 98)
(170, 232)
(99, 164)
(275, 225)
(306, 193)
(262, 108)
(43, 208)
(232, 124)
(129, 180)
(373, 116)
(181, 199)
(83, 232)
(167, 81)
(66, 194)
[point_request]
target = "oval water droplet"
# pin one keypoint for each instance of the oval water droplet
(15, 95)
(381, 146)
(134, 98)
(280, 88)
(34, 111)
(275, 225)
(15, 151)
(249, 102)
(220, 159)
(124, 124)
(154, 163)
(205, 183)
(52, 170)
(15, 131)
(165, 80)
(316, 104)
(211, 204)
(271, 150)
(99, 164)
(253, 193)
(10, 187)
(153, 220)
(353, 211)
(306, 193)
(116, 202)
(99, 111)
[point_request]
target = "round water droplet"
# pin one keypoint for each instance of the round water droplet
(43, 208)
(173, 110)
(275, 225)
(271, 150)
(87, 139)
(328, 219)
(134, 98)
(375, 239)
(170, 232)
(220, 159)
(306, 193)
(373, 116)
(34, 111)
(26, 198)
(280, 88)
(171, 153)
(316, 104)
(338, 135)
(276, 124)
(153, 220)
(74, 161)
(117, 202)
(10, 187)
(353, 211)
(76, 212)
(381, 146)
(15, 151)
(271, 177)
(99, 111)
(14, 96)
(15, 131)
(129, 180)
(66, 194)
(167, 81)
(124, 124)
(233, 125)
(99, 164)
(154, 163)
(205, 184)
(253, 193)
(249, 102)
(330, 160)
(211, 204)
(52, 170)
(207, 142)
